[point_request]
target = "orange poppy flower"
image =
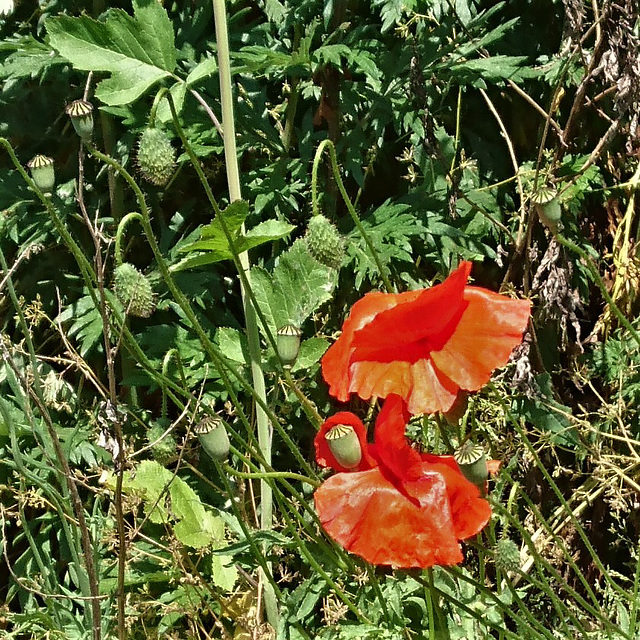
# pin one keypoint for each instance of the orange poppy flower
(403, 508)
(424, 345)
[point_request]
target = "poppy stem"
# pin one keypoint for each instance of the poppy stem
(327, 144)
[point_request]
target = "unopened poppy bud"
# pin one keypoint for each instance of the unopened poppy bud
(473, 463)
(81, 114)
(345, 445)
(507, 555)
(163, 446)
(134, 290)
(288, 343)
(156, 156)
(213, 437)
(324, 242)
(548, 207)
(42, 172)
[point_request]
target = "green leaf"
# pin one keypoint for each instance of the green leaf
(311, 351)
(495, 69)
(233, 344)
(203, 69)
(298, 285)
(29, 59)
(213, 241)
(137, 51)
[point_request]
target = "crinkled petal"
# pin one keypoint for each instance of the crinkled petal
(392, 449)
(324, 456)
(489, 329)
(366, 514)
(396, 329)
(416, 325)
(425, 389)
(335, 362)
(469, 511)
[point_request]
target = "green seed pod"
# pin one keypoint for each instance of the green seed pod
(548, 208)
(81, 114)
(288, 343)
(42, 172)
(344, 444)
(507, 555)
(163, 450)
(213, 437)
(134, 290)
(473, 464)
(156, 156)
(324, 242)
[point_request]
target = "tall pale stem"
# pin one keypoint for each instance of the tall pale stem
(233, 179)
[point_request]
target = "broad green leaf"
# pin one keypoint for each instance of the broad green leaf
(311, 351)
(204, 69)
(178, 92)
(29, 58)
(298, 285)
(149, 481)
(213, 240)
(233, 344)
(137, 51)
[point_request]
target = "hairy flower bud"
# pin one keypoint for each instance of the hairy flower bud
(507, 555)
(324, 242)
(134, 290)
(156, 156)
(164, 449)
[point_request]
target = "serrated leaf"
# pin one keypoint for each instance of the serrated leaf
(233, 344)
(311, 351)
(29, 59)
(137, 51)
(298, 285)
(203, 69)
(178, 93)
(215, 245)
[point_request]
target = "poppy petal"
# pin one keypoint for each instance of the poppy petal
(367, 515)
(469, 511)
(393, 450)
(324, 455)
(335, 362)
(416, 325)
(488, 331)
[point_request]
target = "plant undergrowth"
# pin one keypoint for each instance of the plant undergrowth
(156, 446)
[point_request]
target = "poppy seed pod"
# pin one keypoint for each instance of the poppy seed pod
(213, 437)
(81, 114)
(288, 343)
(324, 242)
(345, 445)
(473, 463)
(548, 207)
(42, 172)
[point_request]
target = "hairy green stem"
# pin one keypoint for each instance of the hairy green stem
(122, 227)
(327, 144)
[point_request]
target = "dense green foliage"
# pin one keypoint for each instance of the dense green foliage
(502, 133)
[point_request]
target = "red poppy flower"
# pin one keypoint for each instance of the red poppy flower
(402, 508)
(424, 345)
